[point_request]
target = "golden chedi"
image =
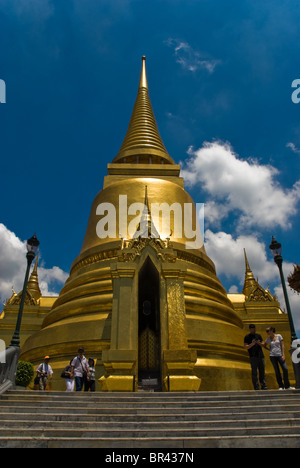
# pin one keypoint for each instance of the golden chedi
(143, 297)
(36, 307)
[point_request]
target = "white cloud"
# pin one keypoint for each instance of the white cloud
(293, 147)
(189, 58)
(228, 255)
(237, 185)
(13, 266)
(215, 213)
(51, 278)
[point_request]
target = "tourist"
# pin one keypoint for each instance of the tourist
(79, 369)
(44, 373)
(67, 374)
(253, 342)
(90, 383)
(277, 357)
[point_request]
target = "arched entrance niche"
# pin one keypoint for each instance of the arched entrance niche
(149, 327)
(148, 323)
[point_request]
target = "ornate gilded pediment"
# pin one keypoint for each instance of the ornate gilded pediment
(146, 235)
(253, 291)
(132, 249)
(259, 294)
(16, 299)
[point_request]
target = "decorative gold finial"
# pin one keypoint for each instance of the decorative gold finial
(143, 80)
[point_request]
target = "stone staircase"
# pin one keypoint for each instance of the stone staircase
(150, 420)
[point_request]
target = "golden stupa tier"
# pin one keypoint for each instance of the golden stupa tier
(143, 297)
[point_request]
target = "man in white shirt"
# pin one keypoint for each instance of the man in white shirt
(45, 373)
(79, 369)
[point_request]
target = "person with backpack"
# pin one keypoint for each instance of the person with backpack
(67, 375)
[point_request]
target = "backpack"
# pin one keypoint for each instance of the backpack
(64, 375)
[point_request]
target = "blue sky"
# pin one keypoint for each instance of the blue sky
(220, 76)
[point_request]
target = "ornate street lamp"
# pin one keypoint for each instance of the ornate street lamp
(32, 248)
(276, 251)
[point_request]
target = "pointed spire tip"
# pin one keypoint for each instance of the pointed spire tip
(143, 80)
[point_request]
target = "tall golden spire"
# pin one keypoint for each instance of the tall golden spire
(33, 283)
(250, 281)
(142, 143)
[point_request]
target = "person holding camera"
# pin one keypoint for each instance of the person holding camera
(253, 343)
(44, 373)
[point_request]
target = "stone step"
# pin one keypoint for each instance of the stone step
(175, 397)
(89, 400)
(146, 418)
(191, 396)
(141, 411)
(91, 433)
(164, 426)
(260, 441)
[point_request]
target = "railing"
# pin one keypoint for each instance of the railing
(8, 370)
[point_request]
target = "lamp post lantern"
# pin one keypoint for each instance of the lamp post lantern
(32, 247)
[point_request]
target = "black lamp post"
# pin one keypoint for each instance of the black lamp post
(32, 247)
(276, 250)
